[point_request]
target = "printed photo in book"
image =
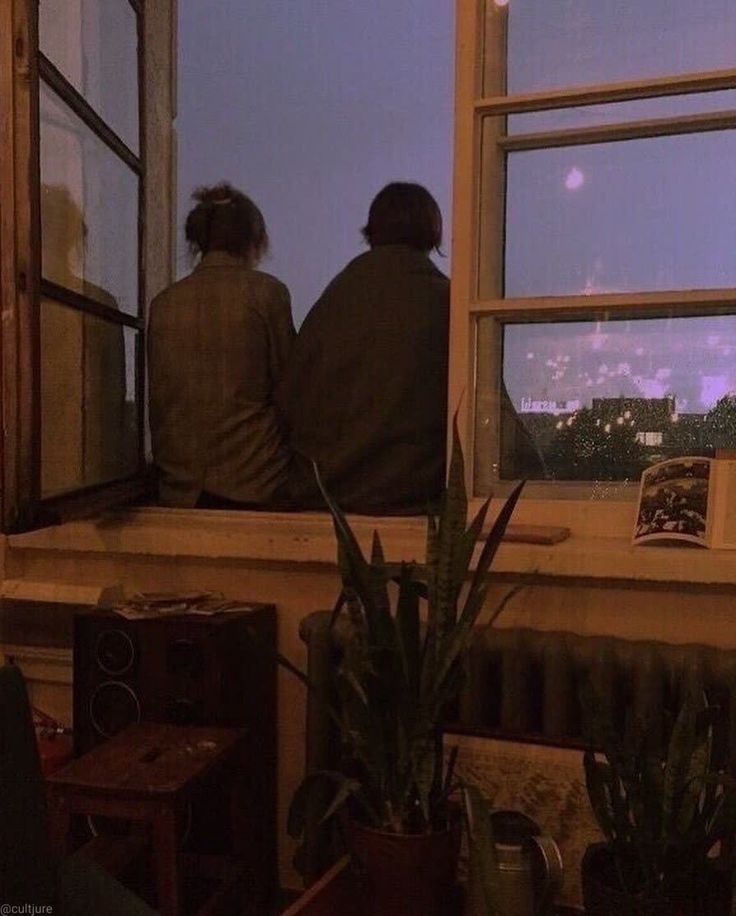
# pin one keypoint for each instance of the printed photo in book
(688, 501)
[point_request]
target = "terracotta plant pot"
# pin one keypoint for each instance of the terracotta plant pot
(603, 896)
(405, 875)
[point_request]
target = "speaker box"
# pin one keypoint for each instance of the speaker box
(190, 670)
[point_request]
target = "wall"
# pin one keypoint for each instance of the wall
(168, 550)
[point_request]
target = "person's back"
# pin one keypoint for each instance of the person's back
(366, 390)
(217, 343)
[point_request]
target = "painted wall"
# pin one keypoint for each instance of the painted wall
(679, 614)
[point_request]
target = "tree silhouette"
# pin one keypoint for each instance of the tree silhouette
(720, 423)
(588, 448)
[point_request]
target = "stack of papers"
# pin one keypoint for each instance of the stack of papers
(165, 604)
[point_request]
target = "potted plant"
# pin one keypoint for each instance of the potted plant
(399, 675)
(662, 810)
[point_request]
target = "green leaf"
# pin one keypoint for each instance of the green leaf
(684, 756)
(468, 541)
(599, 794)
(345, 790)
(430, 646)
(453, 516)
(484, 870)
(379, 574)
(492, 543)
(358, 572)
(313, 783)
(407, 626)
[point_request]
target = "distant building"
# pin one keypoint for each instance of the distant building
(546, 406)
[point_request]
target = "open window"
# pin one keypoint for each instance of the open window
(87, 240)
(594, 281)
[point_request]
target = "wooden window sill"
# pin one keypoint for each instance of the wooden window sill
(307, 538)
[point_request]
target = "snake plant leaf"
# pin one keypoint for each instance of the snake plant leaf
(350, 557)
(696, 775)
(599, 796)
(424, 774)
(346, 789)
(408, 631)
(296, 819)
(720, 825)
(462, 635)
(452, 520)
(380, 573)
(492, 543)
(468, 541)
(360, 577)
(430, 644)
(485, 881)
(686, 756)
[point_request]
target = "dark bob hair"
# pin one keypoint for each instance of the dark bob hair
(224, 219)
(404, 214)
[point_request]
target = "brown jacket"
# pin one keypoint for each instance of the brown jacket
(218, 342)
(365, 394)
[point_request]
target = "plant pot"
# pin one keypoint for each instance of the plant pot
(405, 874)
(603, 896)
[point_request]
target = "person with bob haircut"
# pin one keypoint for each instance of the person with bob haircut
(218, 343)
(365, 393)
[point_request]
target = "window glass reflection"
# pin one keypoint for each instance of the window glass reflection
(94, 43)
(89, 211)
(89, 420)
(654, 214)
(555, 43)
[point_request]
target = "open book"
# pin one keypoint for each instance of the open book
(688, 500)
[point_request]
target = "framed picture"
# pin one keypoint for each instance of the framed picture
(545, 782)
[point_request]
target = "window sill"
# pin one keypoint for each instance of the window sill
(307, 538)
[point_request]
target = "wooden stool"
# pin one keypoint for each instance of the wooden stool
(147, 773)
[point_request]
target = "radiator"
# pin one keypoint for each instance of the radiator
(525, 684)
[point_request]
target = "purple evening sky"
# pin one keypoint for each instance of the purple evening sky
(311, 106)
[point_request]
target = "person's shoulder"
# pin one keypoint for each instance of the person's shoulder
(170, 293)
(268, 284)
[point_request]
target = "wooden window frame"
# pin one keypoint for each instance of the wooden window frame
(479, 204)
(22, 67)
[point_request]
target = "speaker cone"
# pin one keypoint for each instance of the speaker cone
(112, 707)
(114, 652)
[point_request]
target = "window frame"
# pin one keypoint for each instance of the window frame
(22, 68)
(479, 214)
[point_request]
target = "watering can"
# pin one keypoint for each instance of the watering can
(529, 869)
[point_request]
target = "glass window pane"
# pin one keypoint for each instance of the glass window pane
(614, 113)
(652, 214)
(89, 417)
(89, 210)
(601, 400)
(555, 43)
(94, 43)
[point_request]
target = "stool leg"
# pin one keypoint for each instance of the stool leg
(166, 858)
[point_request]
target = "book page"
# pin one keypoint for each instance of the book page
(724, 504)
(673, 503)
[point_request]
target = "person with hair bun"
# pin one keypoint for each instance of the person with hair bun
(218, 343)
(365, 393)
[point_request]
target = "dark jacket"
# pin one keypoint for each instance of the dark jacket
(218, 342)
(365, 394)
